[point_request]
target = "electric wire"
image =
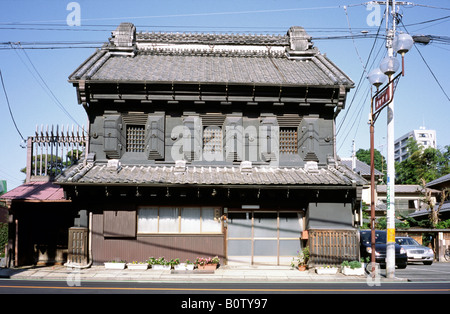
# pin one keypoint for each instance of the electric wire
(43, 83)
(429, 68)
(359, 82)
(9, 107)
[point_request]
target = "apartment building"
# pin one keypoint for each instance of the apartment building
(424, 137)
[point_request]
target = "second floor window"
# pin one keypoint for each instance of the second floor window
(288, 140)
(212, 140)
(135, 138)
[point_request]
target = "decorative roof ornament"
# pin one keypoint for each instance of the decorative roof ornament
(123, 39)
(300, 44)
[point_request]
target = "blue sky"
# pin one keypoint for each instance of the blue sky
(39, 94)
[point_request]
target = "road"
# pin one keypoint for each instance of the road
(228, 297)
(419, 272)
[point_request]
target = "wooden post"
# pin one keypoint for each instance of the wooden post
(29, 159)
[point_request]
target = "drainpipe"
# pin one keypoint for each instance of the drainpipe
(16, 244)
(338, 109)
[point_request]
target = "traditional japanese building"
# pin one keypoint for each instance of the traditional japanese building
(213, 144)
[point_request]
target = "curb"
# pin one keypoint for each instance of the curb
(220, 275)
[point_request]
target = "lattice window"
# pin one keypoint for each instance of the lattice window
(212, 140)
(288, 140)
(135, 138)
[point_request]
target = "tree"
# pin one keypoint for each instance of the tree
(432, 207)
(379, 160)
(422, 163)
(53, 165)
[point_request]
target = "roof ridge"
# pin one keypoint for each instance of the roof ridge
(214, 38)
(175, 51)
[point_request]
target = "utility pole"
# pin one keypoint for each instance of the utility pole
(390, 195)
(383, 98)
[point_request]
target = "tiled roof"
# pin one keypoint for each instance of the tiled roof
(443, 179)
(361, 167)
(213, 58)
(35, 191)
(405, 188)
(425, 212)
(204, 175)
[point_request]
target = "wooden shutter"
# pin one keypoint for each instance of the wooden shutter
(192, 138)
(155, 136)
(309, 139)
(113, 136)
(269, 139)
(233, 138)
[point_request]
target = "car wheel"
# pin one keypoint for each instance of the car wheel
(427, 263)
(402, 266)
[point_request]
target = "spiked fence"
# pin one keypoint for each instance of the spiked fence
(52, 150)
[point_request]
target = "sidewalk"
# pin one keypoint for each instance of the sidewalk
(222, 274)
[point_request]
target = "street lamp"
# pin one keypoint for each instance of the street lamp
(377, 77)
(402, 43)
(389, 65)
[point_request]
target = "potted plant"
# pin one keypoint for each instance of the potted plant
(353, 268)
(207, 263)
(115, 264)
(326, 270)
(300, 262)
(179, 266)
(161, 264)
(135, 265)
(189, 265)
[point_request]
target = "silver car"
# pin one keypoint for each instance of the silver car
(415, 251)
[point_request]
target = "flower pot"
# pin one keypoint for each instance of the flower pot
(189, 266)
(353, 272)
(137, 266)
(112, 265)
(301, 267)
(326, 270)
(181, 266)
(207, 267)
(161, 267)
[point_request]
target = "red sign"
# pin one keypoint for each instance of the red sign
(383, 99)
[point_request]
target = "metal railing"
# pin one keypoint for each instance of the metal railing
(52, 150)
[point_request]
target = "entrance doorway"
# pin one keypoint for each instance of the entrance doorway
(263, 237)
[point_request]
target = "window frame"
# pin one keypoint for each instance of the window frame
(288, 140)
(179, 222)
(138, 144)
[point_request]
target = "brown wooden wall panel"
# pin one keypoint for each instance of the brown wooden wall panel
(119, 224)
(142, 247)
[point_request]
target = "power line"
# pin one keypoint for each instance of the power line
(9, 107)
(429, 68)
(42, 81)
(360, 80)
(194, 14)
